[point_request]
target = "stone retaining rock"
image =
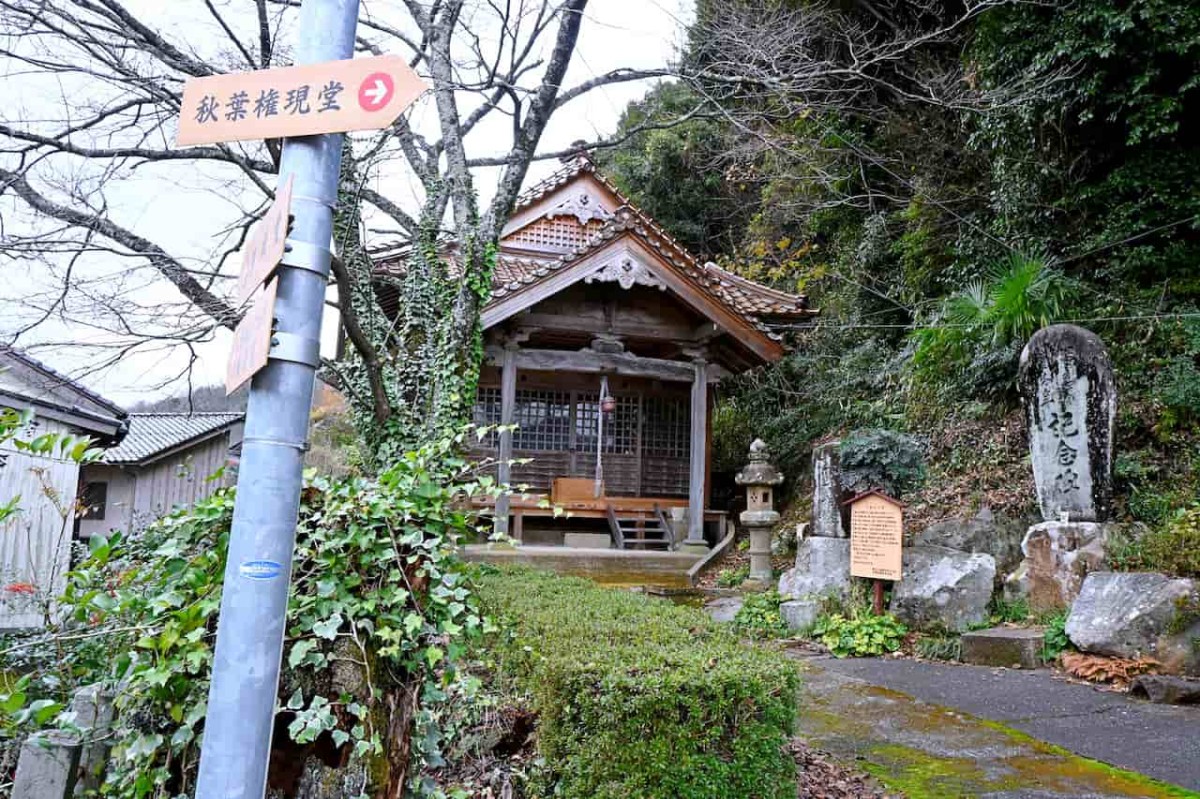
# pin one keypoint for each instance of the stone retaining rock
(999, 537)
(1143, 614)
(943, 587)
(1166, 690)
(1058, 556)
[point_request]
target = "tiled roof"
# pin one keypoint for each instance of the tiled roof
(153, 433)
(515, 272)
(746, 298)
(62, 379)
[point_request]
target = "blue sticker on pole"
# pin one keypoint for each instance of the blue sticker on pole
(260, 569)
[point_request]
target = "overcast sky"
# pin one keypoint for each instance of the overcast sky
(181, 210)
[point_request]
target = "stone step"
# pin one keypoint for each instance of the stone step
(1019, 647)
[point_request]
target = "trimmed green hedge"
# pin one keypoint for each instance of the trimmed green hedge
(637, 697)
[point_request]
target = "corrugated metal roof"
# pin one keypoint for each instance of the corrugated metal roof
(154, 433)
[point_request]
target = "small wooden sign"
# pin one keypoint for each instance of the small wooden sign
(252, 340)
(876, 536)
(337, 96)
(264, 248)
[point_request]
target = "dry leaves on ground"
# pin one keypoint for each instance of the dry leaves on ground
(1097, 668)
(819, 776)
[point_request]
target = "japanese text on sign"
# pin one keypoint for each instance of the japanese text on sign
(876, 538)
(356, 94)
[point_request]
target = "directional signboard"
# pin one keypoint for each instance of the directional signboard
(252, 340)
(337, 96)
(265, 246)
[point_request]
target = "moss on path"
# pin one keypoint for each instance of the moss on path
(925, 750)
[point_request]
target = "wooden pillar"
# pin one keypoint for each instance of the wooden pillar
(508, 405)
(697, 450)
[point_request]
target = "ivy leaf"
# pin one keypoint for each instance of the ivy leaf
(297, 700)
(434, 654)
(340, 737)
(328, 629)
(300, 650)
(143, 746)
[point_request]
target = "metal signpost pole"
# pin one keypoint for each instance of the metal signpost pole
(241, 704)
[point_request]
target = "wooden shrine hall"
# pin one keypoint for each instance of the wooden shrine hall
(604, 338)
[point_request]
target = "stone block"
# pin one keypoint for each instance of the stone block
(724, 609)
(47, 767)
(587, 540)
(800, 614)
(943, 587)
(1142, 614)
(1004, 646)
(822, 569)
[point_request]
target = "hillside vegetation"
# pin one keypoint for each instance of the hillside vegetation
(1053, 180)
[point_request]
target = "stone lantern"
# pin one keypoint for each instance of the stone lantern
(760, 516)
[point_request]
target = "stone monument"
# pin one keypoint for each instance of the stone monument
(1070, 398)
(823, 557)
(1066, 382)
(827, 492)
(760, 516)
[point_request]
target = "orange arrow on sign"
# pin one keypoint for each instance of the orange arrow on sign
(337, 96)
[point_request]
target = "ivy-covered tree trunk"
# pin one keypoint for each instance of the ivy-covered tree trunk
(412, 378)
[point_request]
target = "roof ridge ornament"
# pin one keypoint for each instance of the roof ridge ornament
(583, 206)
(626, 271)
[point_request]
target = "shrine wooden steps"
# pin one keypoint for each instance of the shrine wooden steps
(640, 529)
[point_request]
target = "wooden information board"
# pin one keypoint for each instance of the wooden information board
(876, 537)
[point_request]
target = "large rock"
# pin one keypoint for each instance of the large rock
(1058, 556)
(1142, 614)
(827, 492)
(1066, 380)
(822, 569)
(999, 537)
(943, 587)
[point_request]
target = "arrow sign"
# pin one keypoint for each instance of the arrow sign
(337, 96)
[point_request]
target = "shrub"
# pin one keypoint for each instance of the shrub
(732, 577)
(883, 459)
(860, 636)
(1055, 641)
(379, 610)
(1173, 549)
(1004, 611)
(638, 697)
(940, 646)
(758, 617)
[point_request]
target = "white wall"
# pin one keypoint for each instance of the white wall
(35, 545)
(118, 511)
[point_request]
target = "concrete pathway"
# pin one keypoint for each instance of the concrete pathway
(944, 731)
